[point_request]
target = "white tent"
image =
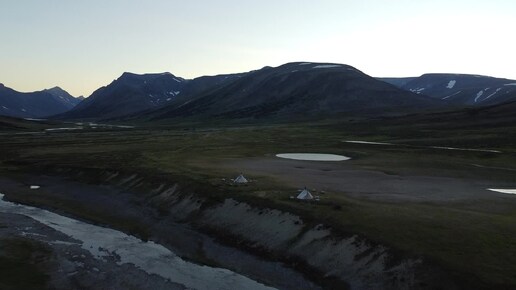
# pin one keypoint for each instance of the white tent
(305, 194)
(240, 179)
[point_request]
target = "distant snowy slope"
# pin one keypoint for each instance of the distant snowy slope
(460, 89)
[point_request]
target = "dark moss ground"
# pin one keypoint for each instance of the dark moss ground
(22, 264)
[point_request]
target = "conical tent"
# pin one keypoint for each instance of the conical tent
(305, 194)
(240, 179)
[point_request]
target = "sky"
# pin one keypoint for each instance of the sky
(83, 45)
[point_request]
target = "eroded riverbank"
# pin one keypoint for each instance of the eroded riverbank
(171, 216)
(108, 206)
(110, 245)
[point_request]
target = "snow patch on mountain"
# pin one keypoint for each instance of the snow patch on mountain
(451, 84)
(327, 66)
(479, 94)
(417, 90)
(497, 90)
(447, 97)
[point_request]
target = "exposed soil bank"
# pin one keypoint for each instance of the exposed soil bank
(147, 207)
(130, 212)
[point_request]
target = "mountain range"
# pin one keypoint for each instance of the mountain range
(290, 91)
(35, 104)
(127, 94)
(297, 90)
(132, 93)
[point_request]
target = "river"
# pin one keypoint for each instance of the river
(104, 243)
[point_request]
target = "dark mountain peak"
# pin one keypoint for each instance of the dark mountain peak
(128, 77)
(146, 75)
(128, 94)
(316, 65)
(318, 69)
(5, 89)
(57, 91)
(35, 104)
(128, 74)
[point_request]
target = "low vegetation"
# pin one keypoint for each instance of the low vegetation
(472, 239)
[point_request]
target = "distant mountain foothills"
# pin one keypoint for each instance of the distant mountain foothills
(290, 91)
(460, 89)
(35, 104)
(493, 116)
(297, 90)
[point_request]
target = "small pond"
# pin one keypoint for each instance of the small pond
(313, 156)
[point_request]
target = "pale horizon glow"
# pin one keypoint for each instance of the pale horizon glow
(83, 45)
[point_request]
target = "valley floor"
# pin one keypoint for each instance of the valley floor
(423, 203)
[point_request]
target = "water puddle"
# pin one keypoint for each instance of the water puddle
(506, 191)
(313, 156)
(417, 146)
(369, 143)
